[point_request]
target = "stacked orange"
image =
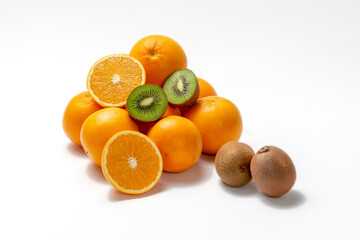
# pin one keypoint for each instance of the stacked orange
(130, 160)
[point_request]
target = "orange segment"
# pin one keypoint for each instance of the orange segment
(131, 162)
(112, 78)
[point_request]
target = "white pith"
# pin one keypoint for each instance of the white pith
(132, 162)
(116, 78)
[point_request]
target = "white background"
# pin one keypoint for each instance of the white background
(291, 67)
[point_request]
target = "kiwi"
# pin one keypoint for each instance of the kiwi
(182, 88)
(273, 171)
(147, 103)
(232, 163)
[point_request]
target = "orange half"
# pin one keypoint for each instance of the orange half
(131, 162)
(112, 78)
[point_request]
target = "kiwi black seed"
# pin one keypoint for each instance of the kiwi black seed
(182, 88)
(147, 103)
(232, 163)
(273, 171)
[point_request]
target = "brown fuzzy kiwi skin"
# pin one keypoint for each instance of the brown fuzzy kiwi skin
(232, 163)
(273, 171)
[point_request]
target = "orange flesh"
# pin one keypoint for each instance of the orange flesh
(131, 162)
(113, 78)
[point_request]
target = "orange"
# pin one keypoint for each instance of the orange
(170, 111)
(100, 126)
(112, 78)
(179, 142)
(205, 89)
(131, 162)
(78, 109)
(218, 120)
(160, 56)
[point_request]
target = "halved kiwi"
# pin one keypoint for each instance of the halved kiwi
(182, 88)
(147, 103)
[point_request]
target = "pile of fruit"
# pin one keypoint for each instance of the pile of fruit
(145, 113)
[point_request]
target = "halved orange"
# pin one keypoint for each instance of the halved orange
(131, 162)
(112, 78)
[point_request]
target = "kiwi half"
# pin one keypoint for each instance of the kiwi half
(182, 88)
(147, 103)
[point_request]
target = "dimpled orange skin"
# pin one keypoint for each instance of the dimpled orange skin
(160, 56)
(78, 109)
(218, 120)
(205, 88)
(179, 142)
(100, 126)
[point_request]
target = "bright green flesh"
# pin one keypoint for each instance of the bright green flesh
(180, 86)
(147, 103)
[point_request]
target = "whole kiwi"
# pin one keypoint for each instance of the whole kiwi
(273, 171)
(232, 163)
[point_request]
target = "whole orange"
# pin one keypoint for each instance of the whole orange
(205, 88)
(78, 109)
(160, 56)
(179, 142)
(100, 126)
(218, 120)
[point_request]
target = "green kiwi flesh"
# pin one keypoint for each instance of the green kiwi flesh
(182, 88)
(147, 103)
